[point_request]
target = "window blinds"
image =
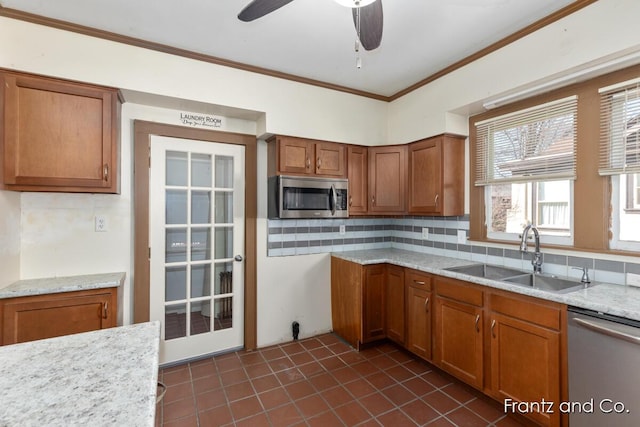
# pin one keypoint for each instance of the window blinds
(620, 129)
(535, 144)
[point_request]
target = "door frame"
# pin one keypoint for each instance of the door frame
(141, 163)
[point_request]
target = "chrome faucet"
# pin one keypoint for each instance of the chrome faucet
(536, 262)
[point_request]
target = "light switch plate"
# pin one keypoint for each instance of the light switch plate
(462, 237)
(101, 224)
(343, 230)
(425, 233)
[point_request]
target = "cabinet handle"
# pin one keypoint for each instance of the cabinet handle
(436, 199)
(308, 162)
(373, 200)
(319, 162)
(418, 282)
(105, 172)
(477, 323)
(493, 325)
(350, 201)
(105, 309)
(426, 305)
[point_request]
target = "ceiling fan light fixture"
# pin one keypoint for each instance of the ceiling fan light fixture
(354, 3)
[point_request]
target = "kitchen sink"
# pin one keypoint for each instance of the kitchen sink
(546, 283)
(517, 277)
(487, 271)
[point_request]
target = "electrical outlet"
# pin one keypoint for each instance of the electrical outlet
(425, 233)
(633, 279)
(101, 223)
(343, 230)
(462, 237)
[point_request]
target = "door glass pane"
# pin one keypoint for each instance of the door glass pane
(224, 207)
(200, 317)
(200, 280)
(223, 278)
(200, 207)
(175, 321)
(176, 209)
(224, 172)
(224, 242)
(176, 239)
(176, 168)
(175, 283)
(223, 315)
(200, 170)
(200, 247)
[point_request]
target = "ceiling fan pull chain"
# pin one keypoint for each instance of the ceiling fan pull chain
(358, 60)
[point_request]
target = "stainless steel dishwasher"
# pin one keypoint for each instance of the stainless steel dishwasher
(604, 370)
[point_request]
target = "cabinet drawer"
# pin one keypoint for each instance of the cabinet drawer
(528, 309)
(460, 291)
(418, 279)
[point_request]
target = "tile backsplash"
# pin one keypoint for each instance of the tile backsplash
(311, 236)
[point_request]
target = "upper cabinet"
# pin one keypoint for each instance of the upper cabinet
(357, 167)
(58, 135)
(436, 176)
(298, 156)
(387, 179)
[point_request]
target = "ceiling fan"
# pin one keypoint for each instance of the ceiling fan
(367, 17)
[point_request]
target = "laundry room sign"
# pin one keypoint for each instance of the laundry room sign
(191, 119)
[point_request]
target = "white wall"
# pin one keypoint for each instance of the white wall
(599, 30)
(9, 237)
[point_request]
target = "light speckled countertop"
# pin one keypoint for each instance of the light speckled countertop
(55, 285)
(100, 378)
(617, 300)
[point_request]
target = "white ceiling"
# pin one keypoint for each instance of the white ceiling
(312, 38)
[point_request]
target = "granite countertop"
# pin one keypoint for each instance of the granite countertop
(105, 377)
(617, 300)
(55, 285)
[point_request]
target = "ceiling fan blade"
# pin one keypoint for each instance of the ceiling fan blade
(259, 8)
(370, 24)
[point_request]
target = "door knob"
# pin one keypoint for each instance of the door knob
(238, 258)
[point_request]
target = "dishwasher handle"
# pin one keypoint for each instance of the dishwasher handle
(607, 331)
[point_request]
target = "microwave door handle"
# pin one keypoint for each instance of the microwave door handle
(333, 199)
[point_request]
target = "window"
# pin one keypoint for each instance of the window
(620, 158)
(526, 162)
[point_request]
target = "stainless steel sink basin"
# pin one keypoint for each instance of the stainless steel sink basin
(486, 270)
(546, 283)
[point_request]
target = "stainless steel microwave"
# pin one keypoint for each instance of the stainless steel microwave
(307, 197)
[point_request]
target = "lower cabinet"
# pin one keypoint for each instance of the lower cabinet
(507, 345)
(459, 330)
(418, 313)
(526, 355)
(395, 304)
(47, 316)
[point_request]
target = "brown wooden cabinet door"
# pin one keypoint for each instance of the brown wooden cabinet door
(59, 136)
(373, 307)
(395, 304)
(330, 159)
(48, 316)
(525, 364)
(357, 168)
(295, 156)
(458, 341)
(387, 179)
(419, 322)
(436, 176)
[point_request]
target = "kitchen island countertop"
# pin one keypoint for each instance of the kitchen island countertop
(55, 285)
(106, 378)
(617, 300)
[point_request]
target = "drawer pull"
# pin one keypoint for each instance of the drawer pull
(493, 325)
(418, 282)
(477, 323)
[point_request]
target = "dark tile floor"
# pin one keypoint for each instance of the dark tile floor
(321, 381)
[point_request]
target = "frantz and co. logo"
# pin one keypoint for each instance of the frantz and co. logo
(200, 120)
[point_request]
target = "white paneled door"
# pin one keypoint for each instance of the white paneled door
(197, 246)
